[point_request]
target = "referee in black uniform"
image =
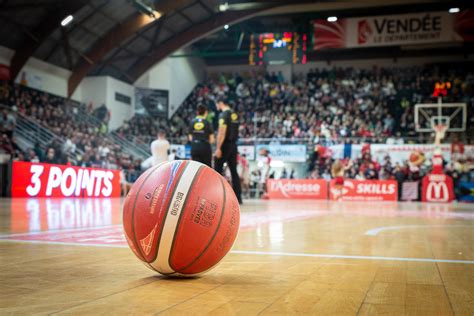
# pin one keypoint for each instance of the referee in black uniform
(201, 136)
(226, 147)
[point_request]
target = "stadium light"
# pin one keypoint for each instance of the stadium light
(454, 10)
(67, 20)
(332, 19)
(226, 26)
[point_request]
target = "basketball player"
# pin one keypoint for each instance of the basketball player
(226, 147)
(337, 172)
(201, 136)
(159, 149)
(263, 162)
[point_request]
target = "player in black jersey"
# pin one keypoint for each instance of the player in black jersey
(201, 136)
(226, 147)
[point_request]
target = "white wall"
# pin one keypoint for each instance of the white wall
(96, 90)
(120, 111)
(41, 75)
(101, 90)
(178, 75)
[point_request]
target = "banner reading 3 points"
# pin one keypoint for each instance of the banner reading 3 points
(46, 180)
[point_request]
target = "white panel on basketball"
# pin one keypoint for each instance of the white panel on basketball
(161, 263)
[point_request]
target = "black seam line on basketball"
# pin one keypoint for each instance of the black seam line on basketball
(213, 236)
(196, 176)
(137, 245)
(178, 180)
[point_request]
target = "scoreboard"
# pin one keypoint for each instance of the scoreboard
(277, 48)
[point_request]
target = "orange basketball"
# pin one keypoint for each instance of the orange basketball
(414, 157)
(181, 218)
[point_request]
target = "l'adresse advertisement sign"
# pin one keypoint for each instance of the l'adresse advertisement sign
(297, 189)
(47, 180)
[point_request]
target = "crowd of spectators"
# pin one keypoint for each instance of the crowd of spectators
(79, 142)
(321, 106)
(336, 104)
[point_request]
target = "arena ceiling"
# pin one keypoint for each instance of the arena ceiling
(121, 39)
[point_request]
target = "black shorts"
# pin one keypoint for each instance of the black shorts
(202, 152)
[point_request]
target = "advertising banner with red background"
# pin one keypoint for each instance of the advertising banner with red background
(437, 188)
(388, 30)
(47, 180)
(364, 190)
(297, 189)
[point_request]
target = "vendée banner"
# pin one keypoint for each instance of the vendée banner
(47, 180)
(388, 30)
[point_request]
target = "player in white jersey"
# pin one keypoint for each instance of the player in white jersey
(159, 149)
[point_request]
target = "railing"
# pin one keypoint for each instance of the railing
(29, 132)
(126, 146)
(143, 141)
(131, 148)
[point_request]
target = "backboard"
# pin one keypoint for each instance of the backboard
(428, 115)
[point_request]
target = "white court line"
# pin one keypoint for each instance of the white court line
(320, 255)
(264, 253)
(60, 243)
(375, 231)
(67, 230)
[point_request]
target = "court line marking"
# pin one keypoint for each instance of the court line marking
(39, 232)
(62, 243)
(376, 231)
(265, 253)
(331, 256)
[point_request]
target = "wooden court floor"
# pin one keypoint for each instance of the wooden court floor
(291, 257)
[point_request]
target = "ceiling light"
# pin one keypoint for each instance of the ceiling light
(223, 7)
(454, 10)
(332, 19)
(67, 20)
(156, 15)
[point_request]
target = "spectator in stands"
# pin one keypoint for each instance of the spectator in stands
(7, 123)
(31, 156)
(6, 145)
(51, 156)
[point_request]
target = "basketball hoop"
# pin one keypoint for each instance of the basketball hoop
(440, 130)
